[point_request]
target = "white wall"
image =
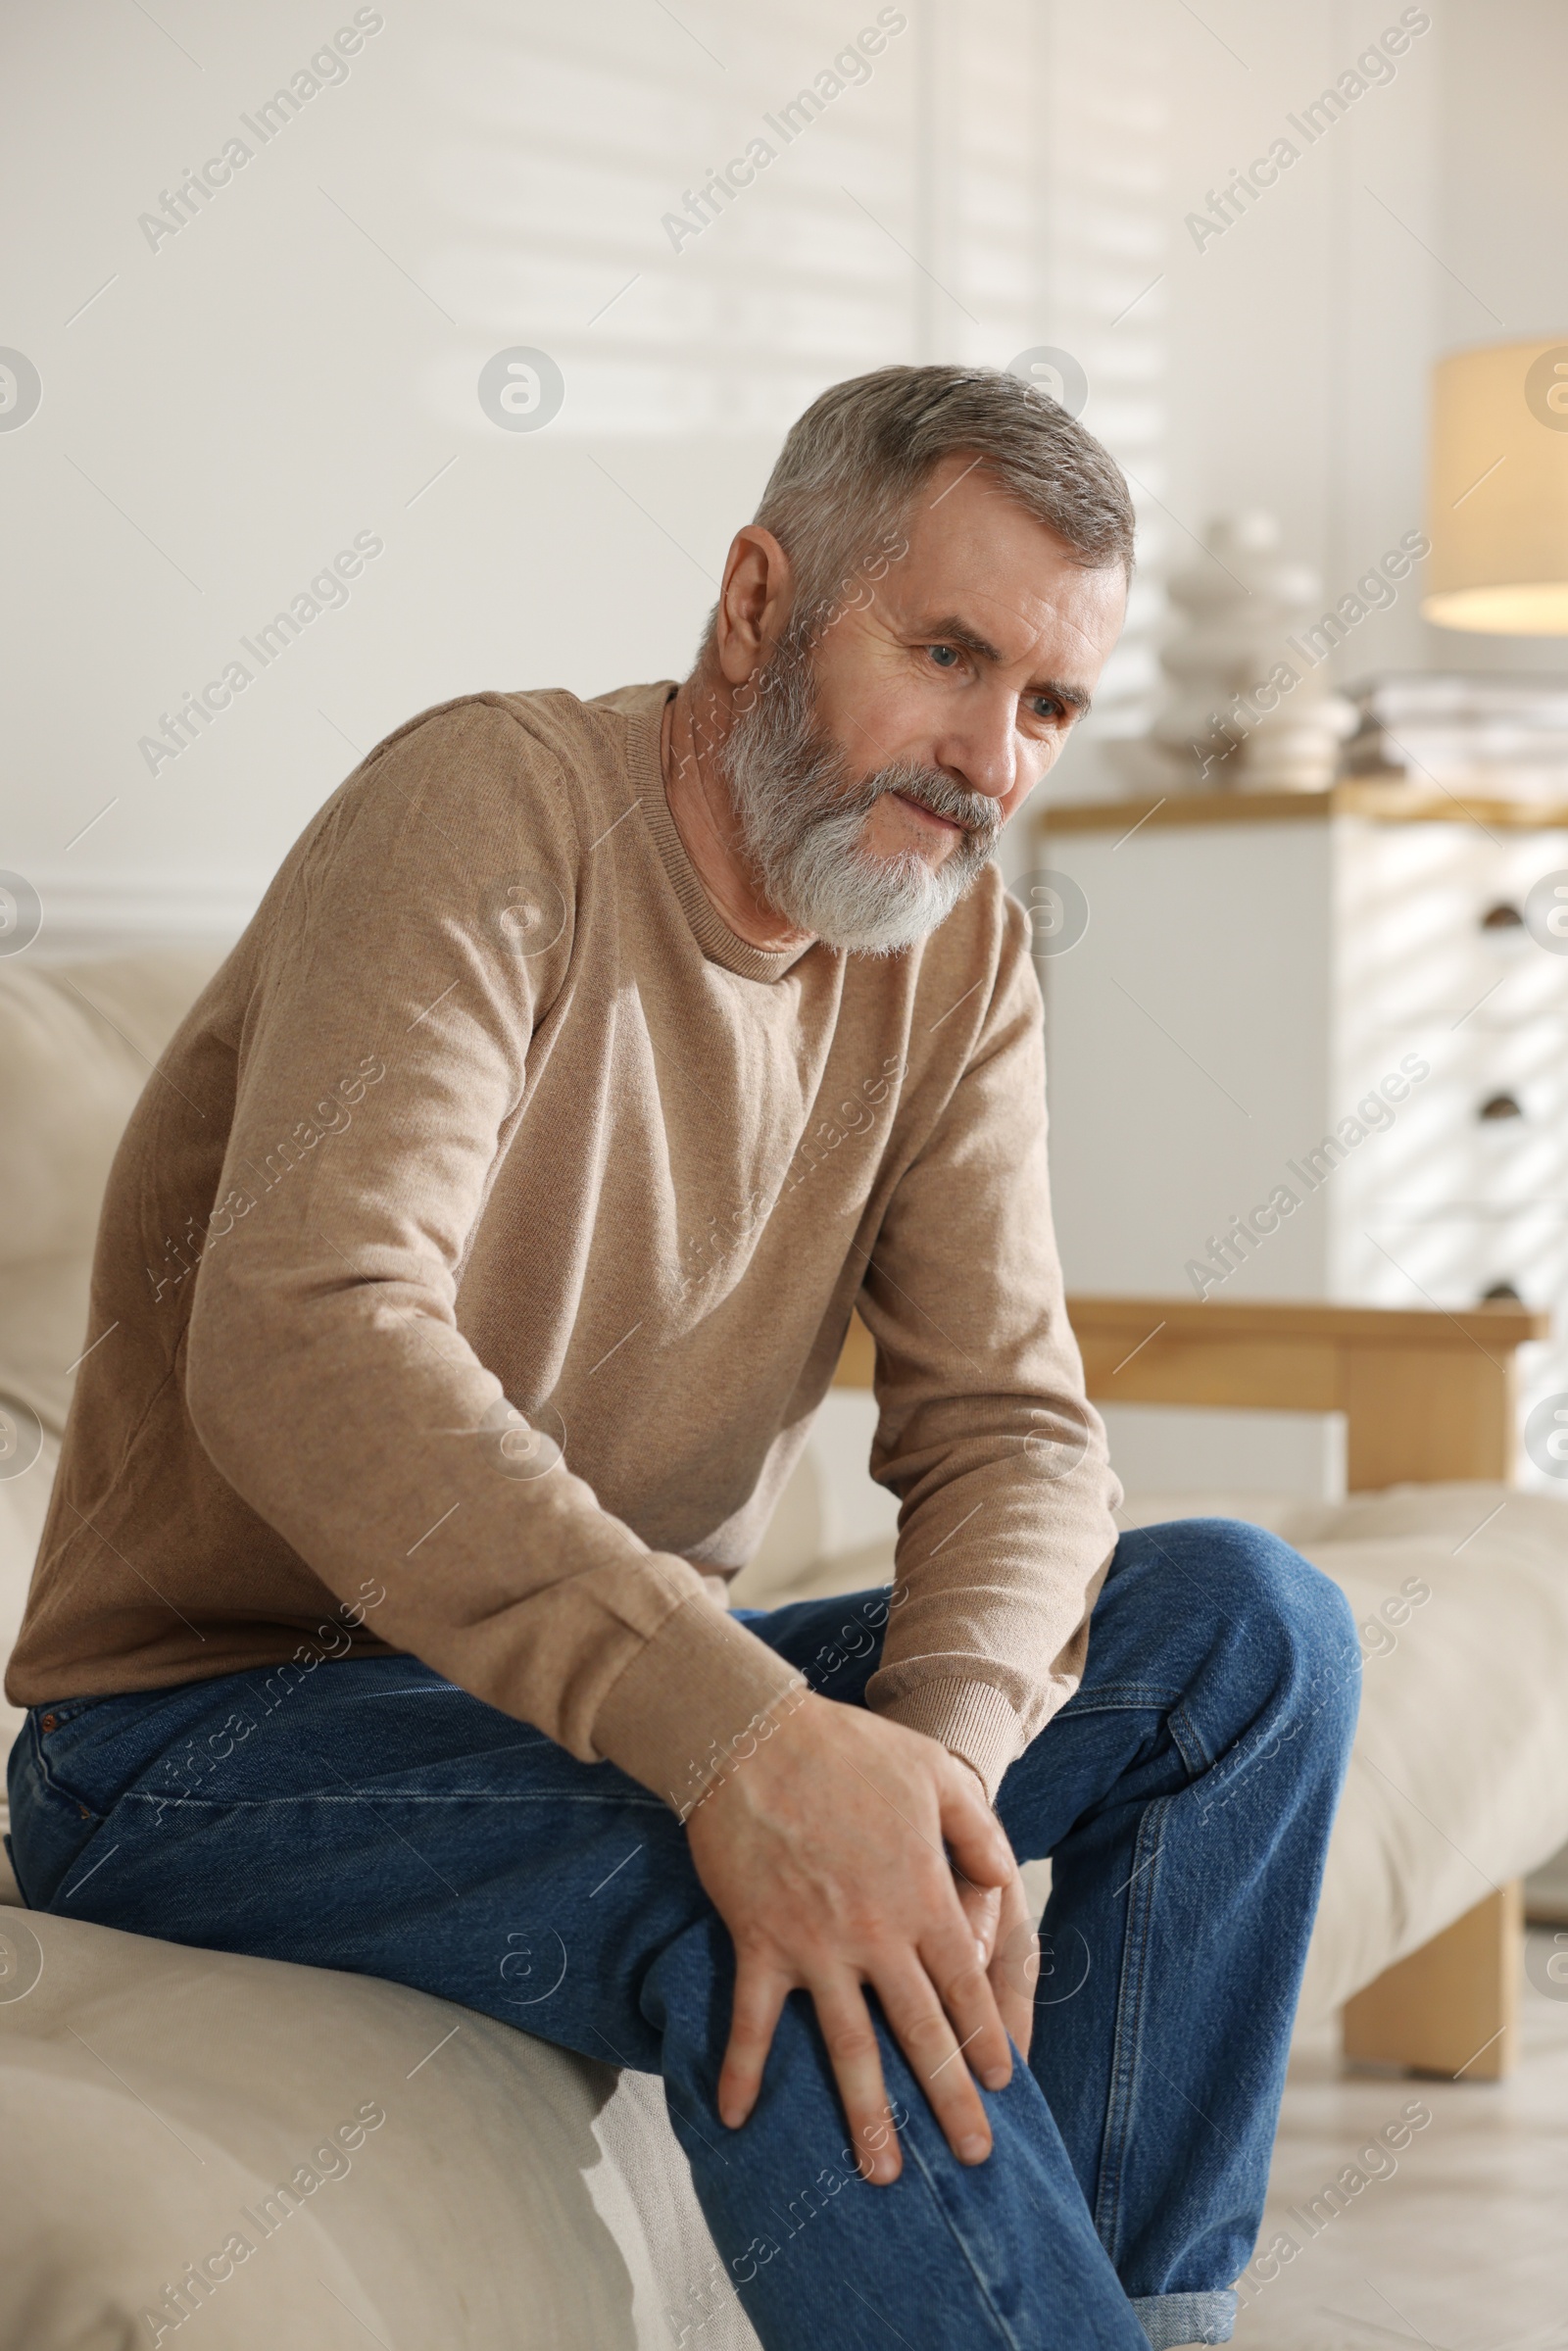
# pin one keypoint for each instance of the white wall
(222, 414)
(1431, 217)
(226, 408)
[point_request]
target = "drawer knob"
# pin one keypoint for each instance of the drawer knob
(1500, 1106)
(1502, 917)
(1501, 1293)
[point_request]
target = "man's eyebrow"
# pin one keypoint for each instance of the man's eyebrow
(954, 631)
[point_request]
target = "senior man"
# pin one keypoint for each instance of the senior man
(467, 1279)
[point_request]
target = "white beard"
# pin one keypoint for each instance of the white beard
(802, 821)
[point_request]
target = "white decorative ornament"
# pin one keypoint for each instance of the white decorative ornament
(1244, 709)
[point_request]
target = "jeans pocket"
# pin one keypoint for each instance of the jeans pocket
(50, 1822)
(56, 1739)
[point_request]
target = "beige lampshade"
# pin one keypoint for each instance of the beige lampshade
(1497, 490)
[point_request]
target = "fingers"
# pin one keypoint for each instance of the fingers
(760, 1991)
(999, 1919)
(857, 2062)
(982, 1907)
(828, 1860)
(942, 2035)
(974, 1835)
(941, 2010)
(963, 1985)
(1015, 1966)
(933, 2042)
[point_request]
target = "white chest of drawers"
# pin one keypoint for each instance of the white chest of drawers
(1254, 968)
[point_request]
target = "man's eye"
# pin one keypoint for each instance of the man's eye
(945, 656)
(1047, 707)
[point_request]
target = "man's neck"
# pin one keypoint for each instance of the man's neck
(705, 818)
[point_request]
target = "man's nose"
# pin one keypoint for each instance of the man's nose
(981, 752)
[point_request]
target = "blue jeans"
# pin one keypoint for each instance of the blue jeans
(373, 1817)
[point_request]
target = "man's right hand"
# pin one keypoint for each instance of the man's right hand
(826, 1853)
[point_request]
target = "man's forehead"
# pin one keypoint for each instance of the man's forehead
(976, 558)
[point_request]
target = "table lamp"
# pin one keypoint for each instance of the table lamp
(1497, 490)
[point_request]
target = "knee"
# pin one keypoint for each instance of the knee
(1285, 1627)
(1303, 1622)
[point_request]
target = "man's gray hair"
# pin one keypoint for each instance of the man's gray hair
(852, 463)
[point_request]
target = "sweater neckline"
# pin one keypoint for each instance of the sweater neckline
(712, 934)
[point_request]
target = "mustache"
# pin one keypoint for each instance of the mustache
(979, 815)
(802, 814)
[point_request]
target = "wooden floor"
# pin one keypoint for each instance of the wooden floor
(1466, 2248)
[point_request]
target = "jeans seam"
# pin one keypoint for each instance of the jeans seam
(57, 1787)
(1124, 1697)
(379, 1796)
(1004, 2331)
(1129, 2019)
(1189, 1743)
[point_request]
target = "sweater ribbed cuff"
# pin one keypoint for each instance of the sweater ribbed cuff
(970, 1717)
(695, 1702)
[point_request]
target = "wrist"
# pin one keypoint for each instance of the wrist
(764, 1749)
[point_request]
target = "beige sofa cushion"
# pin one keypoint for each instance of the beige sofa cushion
(512, 2199)
(24, 1501)
(76, 1043)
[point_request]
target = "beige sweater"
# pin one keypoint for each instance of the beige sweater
(488, 1103)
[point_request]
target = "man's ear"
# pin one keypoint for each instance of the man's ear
(754, 603)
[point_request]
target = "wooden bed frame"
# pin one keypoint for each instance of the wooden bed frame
(1427, 1396)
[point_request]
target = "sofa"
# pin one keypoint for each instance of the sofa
(284, 2155)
